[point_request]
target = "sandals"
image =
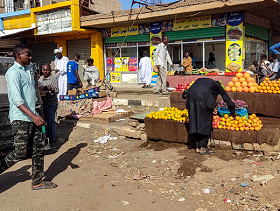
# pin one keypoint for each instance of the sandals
(46, 185)
(208, 152)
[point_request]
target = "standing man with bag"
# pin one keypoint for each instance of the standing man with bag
(160, 61)
(26, 123)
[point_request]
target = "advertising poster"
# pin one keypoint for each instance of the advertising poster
(144, 28)
(132, 64)
(123, 30)
(192, 23)
(116, 77)
(167, 26)
(121, 64)
(154, 78)
(234, 41)
(110, 64)
(155, 38)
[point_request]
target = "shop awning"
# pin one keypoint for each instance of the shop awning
(256, 31)
(5, 33)
(204, 33)
(135, 38)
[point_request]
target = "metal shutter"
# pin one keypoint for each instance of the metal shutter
(135, 38)
(256, 31)
(42, 52)
(81, 47)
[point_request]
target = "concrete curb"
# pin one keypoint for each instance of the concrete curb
(126, 102)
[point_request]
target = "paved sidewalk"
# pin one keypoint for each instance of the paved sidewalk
(134, 94)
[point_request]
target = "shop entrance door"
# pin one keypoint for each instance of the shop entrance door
(81, 47)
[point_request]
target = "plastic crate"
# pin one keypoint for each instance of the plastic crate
(240, 112)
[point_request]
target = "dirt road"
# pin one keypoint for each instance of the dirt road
(93, 176)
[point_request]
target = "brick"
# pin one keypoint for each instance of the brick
(248, 146)
(225, 145)
(122, 137)
(135, 128)
(237, 146)
(144, 137)
(142, 125)
(133, 123)
(126, 131)
(257, 147)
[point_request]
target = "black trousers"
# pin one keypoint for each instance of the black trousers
(201, 140)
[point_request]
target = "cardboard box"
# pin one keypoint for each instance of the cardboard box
(102, 94)
(72, 92)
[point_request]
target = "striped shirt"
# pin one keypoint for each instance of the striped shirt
(51, 98)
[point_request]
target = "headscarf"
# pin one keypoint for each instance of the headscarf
(58, 50)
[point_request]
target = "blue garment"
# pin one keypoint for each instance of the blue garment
(72, 66)
(49, 116)
(21, 90)
(274, 47)
(194, 60)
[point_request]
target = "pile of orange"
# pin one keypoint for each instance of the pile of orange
(267, 86)
(242, 83)
(240, 123)
(171, 113)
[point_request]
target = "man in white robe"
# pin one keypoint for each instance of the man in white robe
(146, 70)
(60, 68)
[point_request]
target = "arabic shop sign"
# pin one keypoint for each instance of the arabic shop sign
(235, 18)
(122, 31)
(192, 23)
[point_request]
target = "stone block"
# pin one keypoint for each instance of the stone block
(126, 131)
(257, 147)
(225, 144)
(237, 146)
(135, 128)
(248, 146)
(144, 137)
(133, 123)
(122, 137)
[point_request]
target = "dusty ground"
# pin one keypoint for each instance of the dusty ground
(92, 176)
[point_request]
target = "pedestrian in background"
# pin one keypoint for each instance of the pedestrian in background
(48, 84)
(91, 73)
(187, 63)
(26, 123)
(73, 78)
(146, 70)
(161, 57)
(60, 68)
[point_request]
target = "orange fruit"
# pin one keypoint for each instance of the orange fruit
(265, 91)
(239, 75)
(261, 91)
(230, 84)
(237, 84)
(249, 80)
(234, 79)
(274, 92)
(244, 84)
(246, 75)
(270, 91)
(278, 91)
(257, 128)
(252, 128)
(233, 89)
(250, 84)
(237, 129)
(239, 89)
(252, 89)
(242, 129)
(241, 79)
(257, 90)
(261, 84)
(226, 116)
(227, 88)
(245, 89)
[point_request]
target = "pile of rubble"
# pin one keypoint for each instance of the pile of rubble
(134, 130)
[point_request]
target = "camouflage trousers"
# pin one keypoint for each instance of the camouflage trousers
(27, 140)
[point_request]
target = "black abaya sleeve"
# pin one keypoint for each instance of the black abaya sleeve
(227, 99)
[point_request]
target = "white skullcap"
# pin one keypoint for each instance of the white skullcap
(58, 50)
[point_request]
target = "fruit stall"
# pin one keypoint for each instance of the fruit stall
(256, 106)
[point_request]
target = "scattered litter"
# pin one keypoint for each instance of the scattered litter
(227, 200)
(139, 176)
(256, 163)
(102, 140)
(120, 111)
(125, 203)
(102, 157)
(181, 199)
(261, 178)
(233, 179)
(128, 107)
(263, 183)
(244, 184)
(112, 138)
(154, 161)
(117, 120)
(210, 190)
(259, 155)
(237, 152)
(146, 153)
(116, 156)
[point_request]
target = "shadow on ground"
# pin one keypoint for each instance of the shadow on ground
(60, 164)
(10, 179)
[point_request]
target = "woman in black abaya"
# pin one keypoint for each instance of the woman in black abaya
(201, 101)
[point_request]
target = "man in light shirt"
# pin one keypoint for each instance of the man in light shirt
(160, 60)
(26, 123)
(271, 69)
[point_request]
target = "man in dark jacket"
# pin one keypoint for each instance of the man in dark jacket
(201, 101)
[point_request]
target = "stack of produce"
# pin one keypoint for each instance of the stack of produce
(242, 83)
(183, 87)
(239, 104)
(267, 86)
(171, 113)
(232, 73)
(240, 123)
(216, 121)
(172, 72)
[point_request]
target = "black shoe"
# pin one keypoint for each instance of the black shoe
(144, 86)
(156, 93)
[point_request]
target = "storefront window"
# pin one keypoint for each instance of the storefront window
(129, 52)
(254, 50)
(215, 55)
(196, 49)
(111, 52)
